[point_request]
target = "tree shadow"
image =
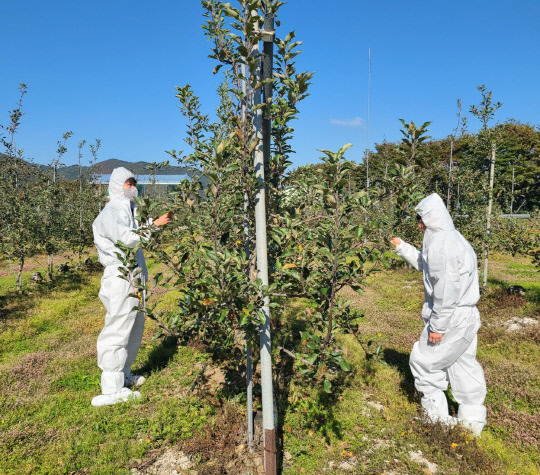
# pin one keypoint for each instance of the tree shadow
(532, 293)
(286, 330)
(319, 407)
(15, 304)
(161, 355)
(400, 361)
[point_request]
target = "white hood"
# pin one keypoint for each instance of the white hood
(116, 183)
(434, 214)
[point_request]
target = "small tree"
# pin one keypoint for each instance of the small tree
(20, 223)
(52, 209)
(451, 158)
(326, 249)
(413, 138)
(81, 203)
(485, 112)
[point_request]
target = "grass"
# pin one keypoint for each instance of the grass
(48, 373)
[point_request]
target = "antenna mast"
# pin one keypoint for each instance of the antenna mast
(367, 125)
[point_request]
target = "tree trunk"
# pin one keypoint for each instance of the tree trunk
(50, 264)
(488, 217)
(19, 273)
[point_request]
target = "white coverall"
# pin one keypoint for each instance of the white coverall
(120, 339)
(451, 292)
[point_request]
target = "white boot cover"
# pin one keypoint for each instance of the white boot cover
(473, 418)
(436, 408)
(123, 395)
(133, 380)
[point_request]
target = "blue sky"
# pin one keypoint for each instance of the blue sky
(107, 69)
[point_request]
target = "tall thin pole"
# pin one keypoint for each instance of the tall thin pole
(367, 124)
(267, 71)
(269, 430)
(450, 172)
(512, 197)
(249, 361)
(451, 161)
(488, 218)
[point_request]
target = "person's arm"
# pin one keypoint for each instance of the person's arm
(445, 279)
(125, 232)
(412, 255)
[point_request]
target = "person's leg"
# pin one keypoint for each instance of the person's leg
(133, 345)
(431, 383)
(429, 363)
(113, 339)
(469, 388)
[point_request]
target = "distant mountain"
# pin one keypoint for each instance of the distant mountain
(106, 167)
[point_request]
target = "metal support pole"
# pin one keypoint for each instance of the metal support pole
(488, 218)
(269, 431)
(267, 68)
(450, 172)
(249, 380)
(367, 124)
(512, 197)
(249, 360)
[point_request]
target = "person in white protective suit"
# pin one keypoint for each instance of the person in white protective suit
(446, 351)
(120, 339)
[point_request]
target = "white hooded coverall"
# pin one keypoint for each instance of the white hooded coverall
(120, 339)
(451, 292)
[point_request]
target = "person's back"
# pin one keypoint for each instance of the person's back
(450, 266)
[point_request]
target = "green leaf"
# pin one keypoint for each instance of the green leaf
(327, 386)
(344, 365)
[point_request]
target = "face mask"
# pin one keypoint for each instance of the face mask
(131, 192)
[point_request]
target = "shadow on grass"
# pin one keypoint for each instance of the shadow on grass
(318, 408)
(400, 361)
(532, 292)
(161, 355)
(14, 304)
